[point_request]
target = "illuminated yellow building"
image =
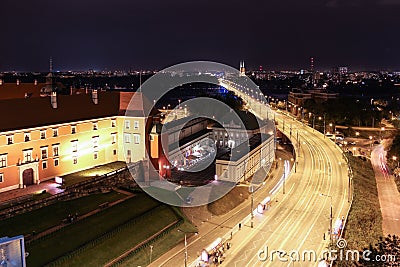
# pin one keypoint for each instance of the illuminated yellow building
(45, 137)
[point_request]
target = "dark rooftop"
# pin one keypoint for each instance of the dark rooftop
(241, 150)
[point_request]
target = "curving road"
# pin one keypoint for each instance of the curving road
(301, 218)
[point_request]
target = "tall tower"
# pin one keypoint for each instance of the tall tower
(49, 80)
(311, 64)
(242, 69)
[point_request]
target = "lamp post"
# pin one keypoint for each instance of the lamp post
(394, 160)
(151, 252)
(252, 204)
(186, 254)
(330, 219)
(380, 134)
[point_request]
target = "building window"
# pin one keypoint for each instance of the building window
(151, 137)
(95, 155)
(136, 125)
(27, 137)
(56, 150)
(74, 145)
(1, 177)
(44, 152)
(56, 162)
(95, 125)
(95, 140)
(127, 138)
(127, 125)
(75, 160)
(44, 165)
(10, 139)
(42, 134)
(113, 123)
(113, 138)
(114, 152)
(55, 132)
(3, 160)
(73, 129)
(136, 137)
(28, 155)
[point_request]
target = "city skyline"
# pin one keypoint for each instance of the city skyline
(125, 35)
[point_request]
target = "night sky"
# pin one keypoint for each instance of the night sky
(153, 34)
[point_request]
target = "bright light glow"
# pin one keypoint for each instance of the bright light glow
(58, 180)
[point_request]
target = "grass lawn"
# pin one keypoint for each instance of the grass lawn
(80, 176)
(130, 236)
(75, 235)
(229, 201)
(161, 246)
(47, 217)
(364, 226)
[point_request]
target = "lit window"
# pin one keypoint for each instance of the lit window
(75, 160)
(73, 129)
(95, 126)
(43, 134)
(28, 155)
(127, 125)
(44, 165)
(56, 150)
(95, 140)
(44, 152)
(74, 145)
(127, 138)
(114, 138)
(55, 132)
(3, 160)
(10, 139)
(27, 137)
(136, 125)
(113, 123)
(136, 137)
(56, 162)
(1, 177)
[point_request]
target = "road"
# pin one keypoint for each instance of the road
(301, 218)
(389, 196)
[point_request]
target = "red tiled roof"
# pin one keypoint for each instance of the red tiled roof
(35, 112)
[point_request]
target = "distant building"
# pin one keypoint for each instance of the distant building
(298, 96)
(242, 68)
(242, 162)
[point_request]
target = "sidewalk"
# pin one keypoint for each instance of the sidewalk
(49, 186)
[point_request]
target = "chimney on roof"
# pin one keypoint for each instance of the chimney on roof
(53, 99)
(95, 96)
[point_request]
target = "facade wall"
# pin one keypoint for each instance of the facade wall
(245, 167)
(75, 146)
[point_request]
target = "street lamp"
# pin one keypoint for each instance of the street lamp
(186, 255)
(330, 227)
(380, 133)
(151, 252)
(395, 159)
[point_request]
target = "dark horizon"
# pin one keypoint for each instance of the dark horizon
(152, 35)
